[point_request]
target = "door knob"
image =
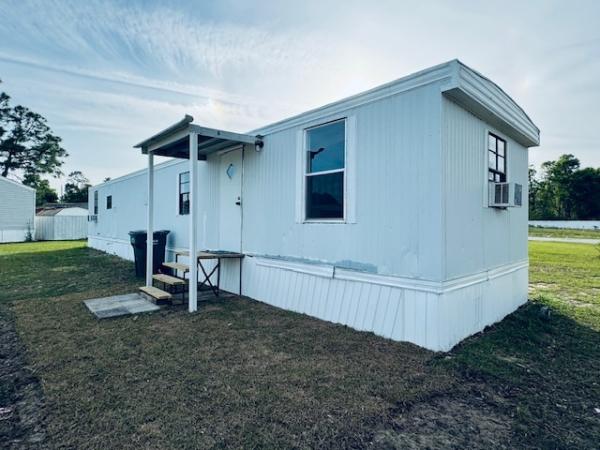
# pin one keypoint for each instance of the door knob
(238, 201)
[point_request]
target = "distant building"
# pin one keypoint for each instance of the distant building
(61, 222)
(17, 209)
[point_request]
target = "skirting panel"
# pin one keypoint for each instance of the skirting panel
(118, 247)
(14, 235)
(433, 315)
(436, 319)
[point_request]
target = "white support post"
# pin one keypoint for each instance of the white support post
(193, 281)
(150, 221)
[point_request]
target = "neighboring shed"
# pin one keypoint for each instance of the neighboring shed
(61, 224)
(17, 209)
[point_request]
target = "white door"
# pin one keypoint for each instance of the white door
(230, 206)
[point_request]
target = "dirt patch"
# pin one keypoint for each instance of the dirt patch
(21, 398)
(448, 422)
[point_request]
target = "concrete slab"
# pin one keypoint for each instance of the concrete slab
(119, 305)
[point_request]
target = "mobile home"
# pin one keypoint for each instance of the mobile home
(401, 210)
(17, 211)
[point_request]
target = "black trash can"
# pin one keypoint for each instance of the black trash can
(138, 242)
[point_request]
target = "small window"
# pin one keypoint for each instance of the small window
(109, 202)
(496, 159)
(95, 203)
(184, 193)
(325, 171)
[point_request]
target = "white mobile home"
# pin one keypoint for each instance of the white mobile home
(17, 210)
(401, 210)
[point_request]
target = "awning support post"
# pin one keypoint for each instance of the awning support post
(193, 281)
(150, 221)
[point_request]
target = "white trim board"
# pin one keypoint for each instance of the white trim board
(434, 287)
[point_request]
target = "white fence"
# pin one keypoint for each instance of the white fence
(576, 224)
(60, 228)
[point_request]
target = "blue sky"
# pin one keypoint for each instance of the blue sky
(107, 74)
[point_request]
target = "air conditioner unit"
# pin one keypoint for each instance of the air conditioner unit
(93, 218)
(505, 195)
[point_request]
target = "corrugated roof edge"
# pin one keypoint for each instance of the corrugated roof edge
(502, 90)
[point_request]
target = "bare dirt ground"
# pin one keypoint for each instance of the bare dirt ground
(21, 399)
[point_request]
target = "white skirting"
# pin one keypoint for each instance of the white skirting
(12, 235)
(434, 315)
(118, 247)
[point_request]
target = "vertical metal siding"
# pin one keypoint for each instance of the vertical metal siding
(478, 237)
(17, 210)
(398, 229)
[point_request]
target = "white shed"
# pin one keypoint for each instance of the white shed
(61, 223)
(17, 209)
(401, 210)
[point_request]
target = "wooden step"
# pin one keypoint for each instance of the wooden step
(168, 279)
(156, 293)
(177, 266)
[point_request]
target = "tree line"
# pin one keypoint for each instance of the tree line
(562, 190)
(30, 150)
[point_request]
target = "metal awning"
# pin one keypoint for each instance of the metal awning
(174, 141)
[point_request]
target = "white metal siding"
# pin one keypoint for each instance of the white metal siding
(398, 229)
(478, 237)
(17, 209)
(60, 227)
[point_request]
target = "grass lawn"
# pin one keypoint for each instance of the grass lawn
(243, 374)
(563, 233)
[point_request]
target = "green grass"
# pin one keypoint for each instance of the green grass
(563, 233)
(243, 374)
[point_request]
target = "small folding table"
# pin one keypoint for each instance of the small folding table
(213, 254)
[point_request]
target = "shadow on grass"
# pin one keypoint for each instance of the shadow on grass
(545, 368)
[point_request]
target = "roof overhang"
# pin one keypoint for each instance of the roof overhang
(486, 100)
(174, 141)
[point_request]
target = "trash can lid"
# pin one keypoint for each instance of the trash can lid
(137, 232)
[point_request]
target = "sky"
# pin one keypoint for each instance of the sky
(107, 74)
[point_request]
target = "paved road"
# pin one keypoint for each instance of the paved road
(571, 240)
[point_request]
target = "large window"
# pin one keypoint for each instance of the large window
(496, 158)
(95, 203)
(184, 193)
(325, 170)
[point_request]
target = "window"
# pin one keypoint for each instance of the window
(109, 202)
(496, 159)
(95, 203)
(325, 170)
(184, 193)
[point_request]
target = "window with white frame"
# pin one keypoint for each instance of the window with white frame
(95, 202)
(496, 158)
(109, 202)
(184, 193)
(325, 171)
